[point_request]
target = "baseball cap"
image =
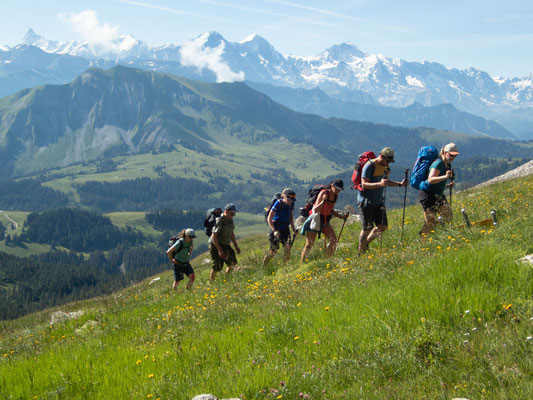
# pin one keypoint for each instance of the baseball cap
(451, 148)
(289, 193)
(338, 183)
(190, 232)
(388, 154)
(230, 207)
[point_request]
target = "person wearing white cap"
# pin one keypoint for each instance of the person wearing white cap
(179, 253)
(433, 200)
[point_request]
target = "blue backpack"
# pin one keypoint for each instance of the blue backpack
(426, 156)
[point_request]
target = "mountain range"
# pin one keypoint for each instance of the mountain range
(343, 72)
(124, 111)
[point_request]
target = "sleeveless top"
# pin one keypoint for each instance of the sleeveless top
(327, 207)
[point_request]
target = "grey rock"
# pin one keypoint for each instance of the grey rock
(205, 397)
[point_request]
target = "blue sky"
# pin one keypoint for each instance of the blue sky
(494, 36)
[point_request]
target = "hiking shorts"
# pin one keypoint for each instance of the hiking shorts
(218, 263)
(430, 201)
(283, 237)
(373, 214)
(182, 269)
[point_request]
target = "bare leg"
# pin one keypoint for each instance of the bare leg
(376, 232)
(191, 277)
(212, 275)
(332, 245)
(269, 256)
(309, 241)
(230, 269)
(175, 285)
(287, 252)
(363, 241)
(429, 223)
(446, 212)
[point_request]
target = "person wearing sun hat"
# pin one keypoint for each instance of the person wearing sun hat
(220, 242)
(374, 178)
(324, 205)
(179, 253)
(433, 200)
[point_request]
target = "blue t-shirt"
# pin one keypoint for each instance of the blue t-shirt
(374, 173)
(438, 188)
(282, 213)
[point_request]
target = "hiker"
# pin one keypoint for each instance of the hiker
(324, 206)
(280, 220)
(179, 253)
(433, 199)
(220, 242)
(371, 201)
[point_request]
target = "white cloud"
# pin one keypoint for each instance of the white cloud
(192, 54)
(99, 36)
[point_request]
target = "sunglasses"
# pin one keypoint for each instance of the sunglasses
(292, 197)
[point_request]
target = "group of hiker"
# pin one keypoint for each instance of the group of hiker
(432, 174)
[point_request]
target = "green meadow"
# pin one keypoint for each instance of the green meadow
(450, 317)
(237, 163)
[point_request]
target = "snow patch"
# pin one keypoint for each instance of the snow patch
(319, 78)
(248, 38)
(412, 81)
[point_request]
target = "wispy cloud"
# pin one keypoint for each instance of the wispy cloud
(98, 35)
(194, 54)
(160, 8)
(320, 11)
(227, 5)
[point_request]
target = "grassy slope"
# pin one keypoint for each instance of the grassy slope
(447, 318)
(237, 164)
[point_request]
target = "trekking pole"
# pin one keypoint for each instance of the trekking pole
(340, 233)
(493, 215)
(294, 234)
(383, 209)
(404, 201)
(451, 181)
(465, 217)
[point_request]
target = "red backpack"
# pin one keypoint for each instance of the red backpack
(358, 168)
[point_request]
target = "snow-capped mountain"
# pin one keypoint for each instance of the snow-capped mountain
(341, 68)
(342, 71)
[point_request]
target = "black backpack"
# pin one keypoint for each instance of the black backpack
(211, 219)
(311, 198)
(269, 206)
(173, 239)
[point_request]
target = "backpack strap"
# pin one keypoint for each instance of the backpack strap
(179, 247)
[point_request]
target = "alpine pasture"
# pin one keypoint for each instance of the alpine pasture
(451, 317)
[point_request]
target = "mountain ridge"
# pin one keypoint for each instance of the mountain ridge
(341, 71)
(120, 111)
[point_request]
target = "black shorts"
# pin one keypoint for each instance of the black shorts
(283, 237)
(218, 263)
(373, 214)
(430, 201)
(181, 269)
